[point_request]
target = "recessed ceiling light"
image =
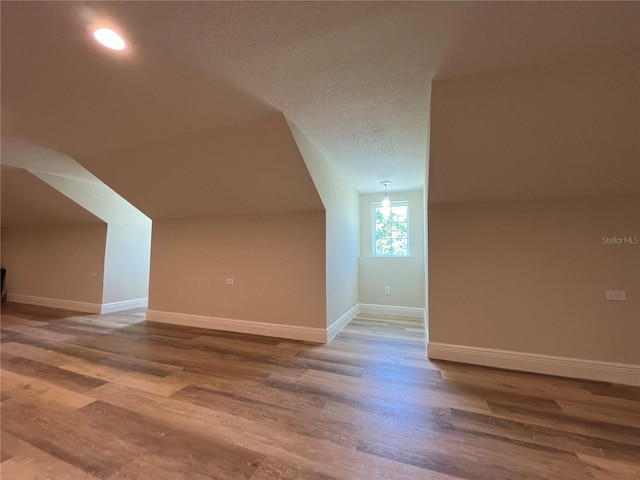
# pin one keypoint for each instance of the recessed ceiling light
(109, 38)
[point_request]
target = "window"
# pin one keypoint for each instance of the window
(391, 230)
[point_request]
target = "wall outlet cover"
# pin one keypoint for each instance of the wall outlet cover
(615, 295)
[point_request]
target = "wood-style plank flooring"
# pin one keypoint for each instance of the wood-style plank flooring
(114, 397)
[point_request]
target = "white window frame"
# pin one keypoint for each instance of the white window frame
(373, 229)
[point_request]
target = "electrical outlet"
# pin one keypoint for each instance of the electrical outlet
(231, 281)
(387, 290)
(615, 295)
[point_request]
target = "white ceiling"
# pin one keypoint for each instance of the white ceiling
(353, 76)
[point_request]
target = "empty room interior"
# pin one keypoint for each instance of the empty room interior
(320, 240)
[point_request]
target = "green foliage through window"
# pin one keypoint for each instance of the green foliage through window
(391, 230)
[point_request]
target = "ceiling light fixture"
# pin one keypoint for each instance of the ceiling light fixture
(386, 203)
(109, 39)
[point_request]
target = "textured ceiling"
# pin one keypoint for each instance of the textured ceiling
(353, 76)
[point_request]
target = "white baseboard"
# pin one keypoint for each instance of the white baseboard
(392, 311)
(124, 305)
(54, 303)
(335, 328)
(622, 373)
(309, 334)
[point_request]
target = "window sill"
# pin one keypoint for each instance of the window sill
(381, 256)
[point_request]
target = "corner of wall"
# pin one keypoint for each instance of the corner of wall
(342, 229)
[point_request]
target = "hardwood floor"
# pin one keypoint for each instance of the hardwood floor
(114, 397)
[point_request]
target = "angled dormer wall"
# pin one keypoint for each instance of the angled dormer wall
(235, 202)
(128, 244)
(342, 234)
(125, 277)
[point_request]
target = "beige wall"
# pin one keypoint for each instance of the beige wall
(277, 261)
(530, 276)
(529, 169)
(405, 276)
(342, 229)
(55, 261)
(50, 245)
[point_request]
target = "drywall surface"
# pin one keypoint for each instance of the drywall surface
(342, 233)
(55, 261)
(530, 276)
(128, 247)
(562, 129)
(250, 168)
(51, 247)
(277, 263)
(403, 276)
(529, 169)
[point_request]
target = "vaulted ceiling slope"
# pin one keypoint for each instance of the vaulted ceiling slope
(61, 90)
(29, 201)
(248, 168)
(70, 178)
(565, 129)
(173, 140)
(353, 76)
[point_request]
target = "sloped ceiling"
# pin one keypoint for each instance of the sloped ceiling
(21, 154)
(248, 168)
(70, 178)
(63, 91)
(28, 201)
(353, 76)
(561, 130)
